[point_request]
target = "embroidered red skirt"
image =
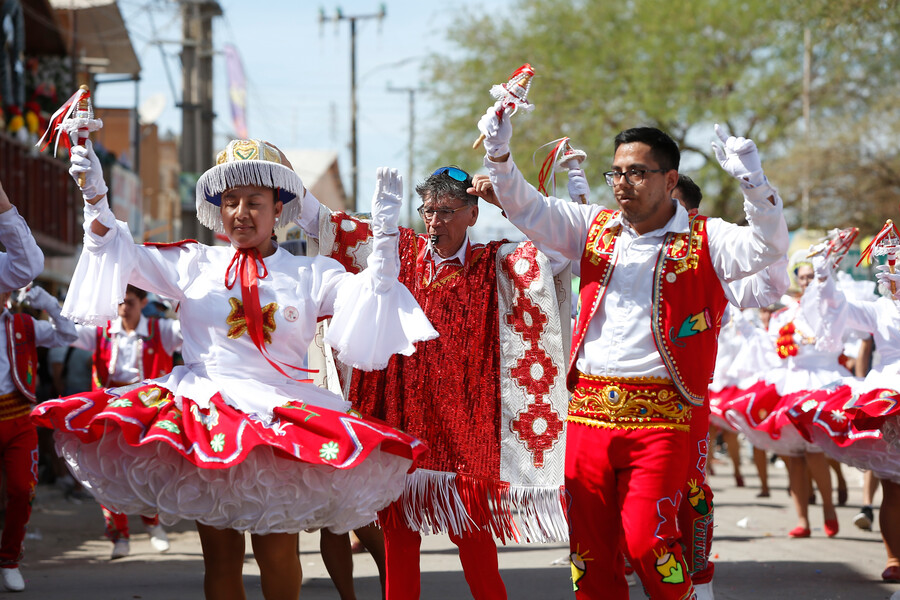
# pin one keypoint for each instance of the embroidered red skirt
(829, 420)
(138, 449)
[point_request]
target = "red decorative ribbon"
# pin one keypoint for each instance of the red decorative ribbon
(885, 241)
(244, 263)
(549, 164)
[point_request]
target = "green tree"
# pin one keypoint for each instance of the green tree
(602, 67)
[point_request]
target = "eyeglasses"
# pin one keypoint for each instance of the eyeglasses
(632, 176)
(452, 173)
(442, 214)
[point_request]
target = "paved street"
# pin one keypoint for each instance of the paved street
(67, 557)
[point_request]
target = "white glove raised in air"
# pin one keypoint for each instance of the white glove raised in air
(739, 158)
(39, 298)
(885, 277)
(578, 185)
(497, 130)
(84, 160)
(821, 266)
(386, 202)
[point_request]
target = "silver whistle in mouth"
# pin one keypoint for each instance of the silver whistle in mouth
(434, 239)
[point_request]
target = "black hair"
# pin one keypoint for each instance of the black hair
(141, 294)
(441, 185)
(663, 149)
(689, 192)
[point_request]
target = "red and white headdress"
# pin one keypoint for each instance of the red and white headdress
(248, 162)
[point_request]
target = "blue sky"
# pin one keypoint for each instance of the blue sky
(299, 73)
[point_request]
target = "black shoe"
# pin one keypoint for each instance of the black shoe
(864, 519)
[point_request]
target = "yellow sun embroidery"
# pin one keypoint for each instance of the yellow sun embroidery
(237, 320)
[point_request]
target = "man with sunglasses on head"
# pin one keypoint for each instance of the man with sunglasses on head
(487, 396)
(654, 284)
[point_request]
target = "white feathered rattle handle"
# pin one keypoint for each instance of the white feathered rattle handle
(834, 246)
(571, 159)
(563, 157)
(512, 93)
(75, 119)
(886, 243)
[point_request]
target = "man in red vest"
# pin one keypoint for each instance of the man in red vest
(654, 283)
(21, 335)
(129, 350)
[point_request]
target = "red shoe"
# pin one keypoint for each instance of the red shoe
(831, 527)
(891, 574)
(799, 532)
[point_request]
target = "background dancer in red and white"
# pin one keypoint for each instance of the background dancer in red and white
(20, 336)
(237, 439)
(127, 350)
(856, 423)
(808, 363)
(641, 359)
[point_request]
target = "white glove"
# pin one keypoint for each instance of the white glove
(84, 160)
(497, 131)
(578, 185)
(885, 277)
(39, 298)
(821, 266)
(739, 158)
(386, 202)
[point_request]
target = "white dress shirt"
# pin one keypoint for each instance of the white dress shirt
(128, 352)
(23, 260)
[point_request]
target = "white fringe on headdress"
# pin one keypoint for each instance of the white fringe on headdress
(246, 172)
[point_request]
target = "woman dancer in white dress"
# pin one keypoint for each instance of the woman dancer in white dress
(859, 423)
(236, 439)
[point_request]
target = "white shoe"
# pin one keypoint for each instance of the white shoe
(12, 579)
(158, 538)
(704, 591)
(121, 549)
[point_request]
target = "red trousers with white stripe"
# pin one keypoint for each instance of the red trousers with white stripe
(117, 524)
(19, 453)
(625, 485)
(477, 553)
(695, 515)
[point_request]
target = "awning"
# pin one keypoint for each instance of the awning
(102, 43)
(42, 34)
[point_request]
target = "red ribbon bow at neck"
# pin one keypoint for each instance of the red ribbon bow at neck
(244, 264)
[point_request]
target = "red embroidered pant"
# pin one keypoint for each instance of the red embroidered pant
(19, 448)
(695, 515)
(625, 484)
(477, 553)
(117, 524)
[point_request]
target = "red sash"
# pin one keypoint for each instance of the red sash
(22, 350)
(687, 302)
(156, 361)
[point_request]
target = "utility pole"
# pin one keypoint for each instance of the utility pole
(807, 138)
(340, 16)
(410, 194)
(197, 103)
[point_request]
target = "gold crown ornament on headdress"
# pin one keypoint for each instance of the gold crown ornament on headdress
(248, 162)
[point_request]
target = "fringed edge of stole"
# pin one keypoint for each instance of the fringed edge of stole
(440, 502)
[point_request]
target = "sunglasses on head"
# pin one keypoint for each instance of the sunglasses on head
(453, 173)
